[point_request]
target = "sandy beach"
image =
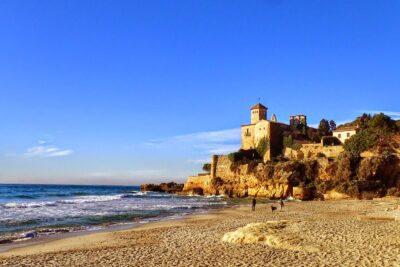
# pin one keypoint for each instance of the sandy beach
(317, 233)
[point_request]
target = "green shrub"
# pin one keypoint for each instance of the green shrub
(288, 142)
(207, 167)
(233, 157)
(262, 146)
(244, 155)
(330, 141)
(296, 146)
(360, 142)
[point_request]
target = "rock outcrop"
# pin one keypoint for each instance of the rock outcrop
(171, 187)
(323, 177)
(275, 234)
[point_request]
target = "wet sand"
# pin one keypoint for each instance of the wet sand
(326, 233)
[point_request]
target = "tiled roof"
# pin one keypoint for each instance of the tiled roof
(258, 106)
(346, 129)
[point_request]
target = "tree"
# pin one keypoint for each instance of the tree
(207, 167)
(332, 125)
(363, 120)
(324, 128)
(382, 122)
(360, 142)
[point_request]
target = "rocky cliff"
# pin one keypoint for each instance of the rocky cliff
(366, 166)
(304, 179)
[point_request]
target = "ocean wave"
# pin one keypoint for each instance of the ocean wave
(77, 200)
(25, 205)
(80, 194)
(56, 195)
(27, 196)
(90, 199)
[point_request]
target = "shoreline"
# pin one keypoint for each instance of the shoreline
(314, 233)
(117, 227)
(57, 241)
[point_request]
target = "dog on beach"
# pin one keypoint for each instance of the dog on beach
(273, 208)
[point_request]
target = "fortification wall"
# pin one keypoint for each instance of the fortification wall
(222, 166)
(236, 180)
(311, 151)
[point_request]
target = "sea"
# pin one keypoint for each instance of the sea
(29, 211)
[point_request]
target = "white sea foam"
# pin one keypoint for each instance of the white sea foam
(26, 215)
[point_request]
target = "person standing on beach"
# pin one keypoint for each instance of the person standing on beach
(281, 203)
(253, 205)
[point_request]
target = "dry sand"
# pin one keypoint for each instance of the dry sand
(326, 233)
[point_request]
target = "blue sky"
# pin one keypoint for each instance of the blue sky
(126, 92)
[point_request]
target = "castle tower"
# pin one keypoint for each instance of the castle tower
(258, 112)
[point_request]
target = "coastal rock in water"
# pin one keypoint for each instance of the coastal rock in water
(6, 240)
(163, 187)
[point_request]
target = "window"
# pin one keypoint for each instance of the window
(348, 134)
(339, 136)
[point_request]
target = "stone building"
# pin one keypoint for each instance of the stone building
(262, 128)
(344, 133)
(296, 120)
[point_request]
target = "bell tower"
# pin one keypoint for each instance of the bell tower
(258, 112)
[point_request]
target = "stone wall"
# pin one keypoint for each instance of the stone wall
(222, 166)
(311, 151)
(239, 180)
(247, 136)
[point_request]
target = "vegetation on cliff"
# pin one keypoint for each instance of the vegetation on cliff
(375, 132)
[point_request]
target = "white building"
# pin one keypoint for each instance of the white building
(344, 133)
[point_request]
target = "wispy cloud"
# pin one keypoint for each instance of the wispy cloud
(43, 150)
(128, 173)
(213, 142)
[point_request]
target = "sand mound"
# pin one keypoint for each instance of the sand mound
(272, 233)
